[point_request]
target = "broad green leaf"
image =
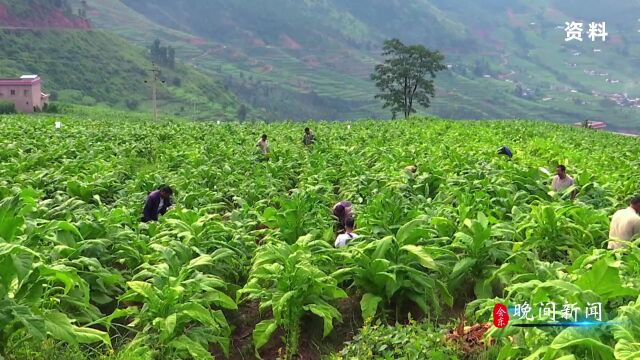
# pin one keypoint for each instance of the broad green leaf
(604, 280)
(625, 350)
(570, 338)
(483, 289)
(199, 313)
(262, 333)
(413, 231)
(145, 289)
(203, 260)
(423, 256)
(59, 327)
(369, 305)
(221, 299)
(327, 313)
(35, 325)
(382, 246)
(462, 267)
(86, 335)
(193, 348)
(169, 325)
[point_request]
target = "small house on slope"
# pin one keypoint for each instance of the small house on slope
(25, 92)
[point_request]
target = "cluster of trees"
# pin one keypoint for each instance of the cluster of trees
(163, 55)
(482, 68)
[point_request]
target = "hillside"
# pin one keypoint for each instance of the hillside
(321, 53)
(40, 14)
(87, 67)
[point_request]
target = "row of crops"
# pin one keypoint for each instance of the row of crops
(243, 265)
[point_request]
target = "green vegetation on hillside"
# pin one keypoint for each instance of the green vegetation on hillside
(470, 229)
(96, 67)
(300, 59)
(26, 8)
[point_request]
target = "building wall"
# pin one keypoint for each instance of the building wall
(36, 91)
(25, 96)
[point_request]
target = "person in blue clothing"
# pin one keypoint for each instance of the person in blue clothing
(505, 151)
(157, 204)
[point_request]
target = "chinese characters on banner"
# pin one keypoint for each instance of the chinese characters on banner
(552, 312)
(549, 312)
(575, 30)
(500, 316)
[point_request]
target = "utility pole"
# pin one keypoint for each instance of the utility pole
(155, 77)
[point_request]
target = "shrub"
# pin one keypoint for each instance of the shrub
(132, 104)
(413, 341)
(7, 107)
(52, 108)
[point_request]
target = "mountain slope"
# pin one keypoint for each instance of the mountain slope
(40, 14)
(88, 67)
(507, 58)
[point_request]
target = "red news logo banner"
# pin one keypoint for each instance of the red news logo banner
(500, 316)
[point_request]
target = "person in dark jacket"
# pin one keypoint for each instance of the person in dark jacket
(505, 151)
(342, 211)
(309, 138)
(157, 204)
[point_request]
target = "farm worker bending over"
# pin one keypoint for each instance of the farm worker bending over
(263, 144)
(625, 224)
(505, 151)
(157, 204)
(342, 211)
(343, 239)
(562, 181)
(411, 169)
(309, 138)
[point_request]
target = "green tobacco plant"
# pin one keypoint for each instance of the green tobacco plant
(33, 294)
(294, 217)
(397, 269)
(286, 280)
(481, 249)
(553, 235)
(177, 305)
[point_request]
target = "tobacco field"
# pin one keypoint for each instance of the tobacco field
(243, 266)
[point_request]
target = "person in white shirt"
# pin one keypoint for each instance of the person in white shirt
(562, 181)
(263, 144)
(625, 224)
(345, 238)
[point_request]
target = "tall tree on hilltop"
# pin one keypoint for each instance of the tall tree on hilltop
(406, 76)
